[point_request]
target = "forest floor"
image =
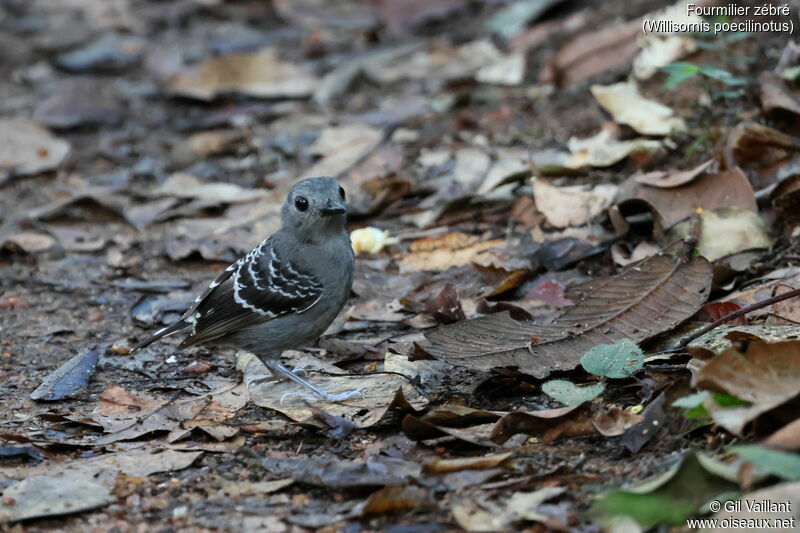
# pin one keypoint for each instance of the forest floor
(546, 203)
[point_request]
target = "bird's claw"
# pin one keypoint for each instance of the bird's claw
(303, 369)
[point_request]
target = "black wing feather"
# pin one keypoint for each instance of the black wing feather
(261, 286)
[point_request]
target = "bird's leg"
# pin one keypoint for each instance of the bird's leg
(277, 368)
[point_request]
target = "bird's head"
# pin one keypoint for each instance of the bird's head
(315, 207)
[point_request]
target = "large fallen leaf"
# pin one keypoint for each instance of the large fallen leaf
(627, 106)
(380, 392)
(709, 191)
(640, 302)
(260, 74)
(572, 205)
(26, 148)
(765, 375)
(39, 496)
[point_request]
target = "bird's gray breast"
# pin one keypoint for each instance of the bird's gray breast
(332, 263)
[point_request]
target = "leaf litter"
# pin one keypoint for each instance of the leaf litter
(498, 199)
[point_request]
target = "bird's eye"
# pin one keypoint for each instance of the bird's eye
(341, 193)
(301, 203)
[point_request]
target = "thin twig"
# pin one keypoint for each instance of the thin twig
(730, 316)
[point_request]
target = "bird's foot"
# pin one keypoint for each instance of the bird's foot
(303, 369)
(319, 393)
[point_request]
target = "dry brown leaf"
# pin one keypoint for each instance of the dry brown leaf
(447, 251)
(710, 191)
(786, 438)
(509, 70)
(615, 422)
(394, 499)
(766, 375)
(420, 429)
(593, 53)
(26, 148)
(659, 51)
(627, 106)
(260, 74)
(666, 179)
(380, 392)
(475, 512)
(572, 205)
(549, 424)
(341, 147)
(640, 302)
(759, 148)
(439, 60)
(726, 231)
(722, 338)
(603, 150)
(140, 461)
(183, 185)
(30, 242)
(443, 466)
(776, 96)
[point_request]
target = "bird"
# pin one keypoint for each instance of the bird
(286, 291)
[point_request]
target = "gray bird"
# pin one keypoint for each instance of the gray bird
(284, 293)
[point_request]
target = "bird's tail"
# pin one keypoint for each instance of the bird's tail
(161, 333)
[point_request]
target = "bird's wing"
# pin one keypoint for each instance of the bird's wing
(259, 287)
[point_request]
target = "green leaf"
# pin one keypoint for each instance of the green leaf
(570, 394)
(726, 400)
(618, 360)
(791, 73)
(781, 464)
(669, 498)
(679, 72)
(721, 75)
(737, 36)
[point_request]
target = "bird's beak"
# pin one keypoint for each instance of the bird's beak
(333, 208)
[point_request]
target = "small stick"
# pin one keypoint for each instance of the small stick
(730, 316)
